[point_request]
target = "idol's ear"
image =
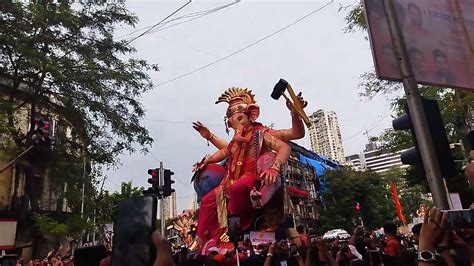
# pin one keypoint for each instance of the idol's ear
(253, 112)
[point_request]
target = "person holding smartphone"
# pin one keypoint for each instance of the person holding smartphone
(318, 254)
(279, 254)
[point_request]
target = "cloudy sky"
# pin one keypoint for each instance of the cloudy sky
(314, 55)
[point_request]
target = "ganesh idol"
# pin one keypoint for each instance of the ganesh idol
(250, 141)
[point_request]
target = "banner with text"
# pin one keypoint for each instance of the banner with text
(439, 35)
(257, 238)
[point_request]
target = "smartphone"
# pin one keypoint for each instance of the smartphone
(293, 249)
(234, 228)
(344, 247)
(459, 219)
(89, 256)
(470, 139)
(132, 243)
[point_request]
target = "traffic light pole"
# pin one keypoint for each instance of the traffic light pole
(417, 113)
(162, 200)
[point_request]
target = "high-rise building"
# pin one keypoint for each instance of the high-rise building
(375, 159)
(170, 206)
(325, 135)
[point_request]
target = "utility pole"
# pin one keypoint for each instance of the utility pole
(162, 200)
(82, 192)
(83, 180)
(417, 113)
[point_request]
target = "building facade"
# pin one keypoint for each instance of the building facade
(170, 206)
(325, 135)
(375, 159)
(301, 184)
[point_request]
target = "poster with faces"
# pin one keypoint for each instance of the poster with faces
(439, 36)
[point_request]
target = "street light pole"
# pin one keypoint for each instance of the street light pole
(417, 113)
(162, 201)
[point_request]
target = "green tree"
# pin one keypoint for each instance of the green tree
(455, 106)
(106, 204)
(347, 186)
(373, 192)
(60, 59)
(65, 62)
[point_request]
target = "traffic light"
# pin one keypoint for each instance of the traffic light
(155, 178)
(357, 207)
(167, 189)
(42, 132)
(438, 135)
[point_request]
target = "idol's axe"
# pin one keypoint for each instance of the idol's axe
(279, 90)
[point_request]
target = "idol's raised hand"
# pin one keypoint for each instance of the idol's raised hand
(202, 129)
(303, 103)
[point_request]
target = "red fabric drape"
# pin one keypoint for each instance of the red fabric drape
(396, 202)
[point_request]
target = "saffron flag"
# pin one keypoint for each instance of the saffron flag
(396, 202)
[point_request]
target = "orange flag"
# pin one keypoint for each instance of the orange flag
(396, 202)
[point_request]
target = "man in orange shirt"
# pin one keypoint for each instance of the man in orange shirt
(393, 248)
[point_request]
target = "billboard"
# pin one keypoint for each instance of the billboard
(7, 233)
(439, 36)
(258, 238)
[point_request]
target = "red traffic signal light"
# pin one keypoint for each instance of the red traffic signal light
(357, 207)
(154, 180)
(42, 124)
(41, 134)
(153, 172)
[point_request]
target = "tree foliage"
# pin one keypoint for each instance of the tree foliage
(70, 226)
(354, 18)
(372, 192)
(348, 187)
(64, 62)
(60, 59)
(455, 106)
(106, 204)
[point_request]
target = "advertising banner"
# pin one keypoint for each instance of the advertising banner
(257, 238)
(7, 233)
(439, 36)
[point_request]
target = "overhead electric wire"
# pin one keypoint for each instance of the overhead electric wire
(195, 15)
(181, 122)
(246, 47)
(161, 21)
(367, 129)
(191, 19)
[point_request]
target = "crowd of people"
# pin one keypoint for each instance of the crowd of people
(429, 243)
(52, 261)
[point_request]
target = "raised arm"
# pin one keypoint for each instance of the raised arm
(209, 136)
(297, 130)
